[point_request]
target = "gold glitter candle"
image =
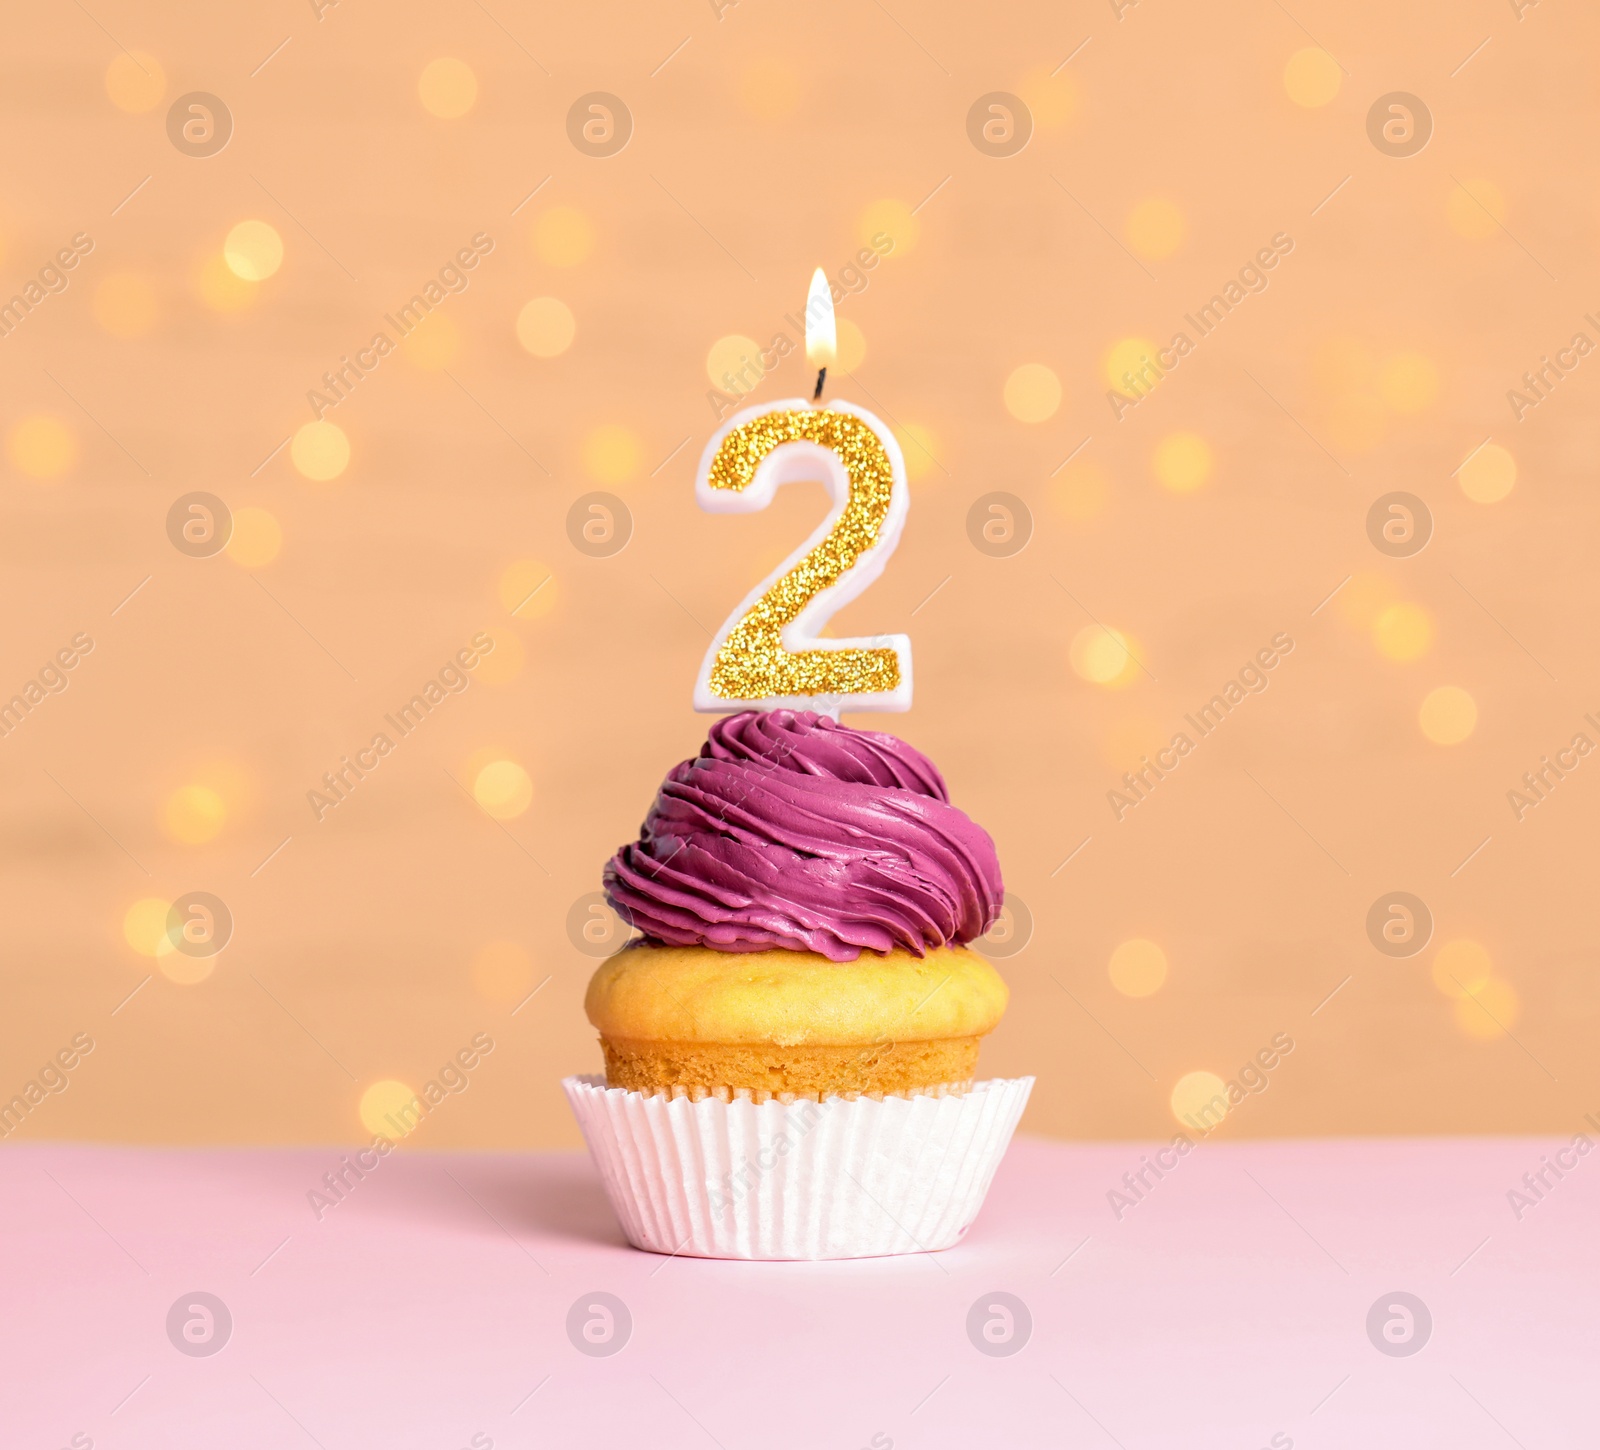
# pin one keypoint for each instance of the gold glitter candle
(750, 663)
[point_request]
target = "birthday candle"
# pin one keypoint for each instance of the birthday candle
(769, 652)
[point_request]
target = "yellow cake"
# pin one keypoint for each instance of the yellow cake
(780, 1022)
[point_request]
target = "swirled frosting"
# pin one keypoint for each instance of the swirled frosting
(792, 830)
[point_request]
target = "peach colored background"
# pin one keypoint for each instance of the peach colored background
(763, 147)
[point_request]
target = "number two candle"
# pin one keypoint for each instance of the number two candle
(768, 654)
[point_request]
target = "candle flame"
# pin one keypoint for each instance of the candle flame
(822, 337)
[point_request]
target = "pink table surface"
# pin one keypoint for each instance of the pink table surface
(430, 1307)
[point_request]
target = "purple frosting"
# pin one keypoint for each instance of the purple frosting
(792, 830)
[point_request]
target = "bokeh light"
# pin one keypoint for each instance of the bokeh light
(1476, 208)
(447, 88)
(852, 345)
(1080, 491)
(144, 926)
(1123, 362)
(769, 89)
(920, 447)
(527, 589)
(135, 82)
(889, 219)
(193, 814)
(230, 780)
(125, 304)
(1486, 1006)
(1489, 474)
(1312, 77)
(1490, 1012)
(502, 971)
(1103, 656)
(434, 343)
(1032, 393)
(42, 447)
(734, 363)
(256, 539)
(1461, 968)
(1194, 1100)
(612, 453)
(220, 288)
(386, 1108)
(1448, 715)
(546, 326)
(1051, 95)
(1137, 968)
(1155, 228)
(1408, 382)
(183, 969)
(562, 236)
(1364, 598)
(1182, 462)
(320, 450)
(1403, 632)
(503, 789)
(253, 250)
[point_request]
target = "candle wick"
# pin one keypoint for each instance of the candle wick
(822, 377)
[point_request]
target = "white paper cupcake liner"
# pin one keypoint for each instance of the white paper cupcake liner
(839, 1179)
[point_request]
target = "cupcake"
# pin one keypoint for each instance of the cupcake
(791, 1045)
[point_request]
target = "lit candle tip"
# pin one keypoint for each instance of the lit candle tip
(822, 337)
